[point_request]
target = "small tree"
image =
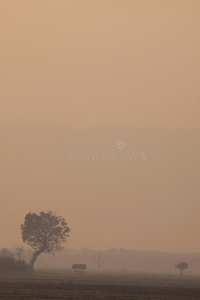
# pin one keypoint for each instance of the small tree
(6, 253)
(99, 259)
(181, 267)
(19, 252)
(45, 233)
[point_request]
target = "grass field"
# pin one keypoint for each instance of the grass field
(91, 285)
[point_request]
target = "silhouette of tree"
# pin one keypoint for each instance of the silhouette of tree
(181, 267)
(44, 232)
(19, 252)
(99, 259)
(6, 253)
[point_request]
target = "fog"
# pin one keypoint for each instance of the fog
(146, 204)
(100, 123)
(122, 260)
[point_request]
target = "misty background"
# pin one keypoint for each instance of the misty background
(150, 204)
(84, 75)
(114, 259)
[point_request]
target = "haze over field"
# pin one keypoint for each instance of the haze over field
(84, 75)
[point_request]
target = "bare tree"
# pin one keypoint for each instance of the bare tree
(99, 259)
(19, 252)
(181, 267)
(45, 233)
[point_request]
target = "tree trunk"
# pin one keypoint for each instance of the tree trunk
(181, 272)
(33, 259)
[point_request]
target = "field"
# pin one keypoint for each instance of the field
(90, 285)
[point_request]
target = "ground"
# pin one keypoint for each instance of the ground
(99, 285)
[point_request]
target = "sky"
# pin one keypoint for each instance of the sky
(110, 62)
(85, 65)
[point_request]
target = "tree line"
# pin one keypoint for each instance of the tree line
(46, 233)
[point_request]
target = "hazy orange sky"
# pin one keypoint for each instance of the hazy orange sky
(111, 62)
(85, 63)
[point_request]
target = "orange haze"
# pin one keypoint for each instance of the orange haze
(85, 74)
